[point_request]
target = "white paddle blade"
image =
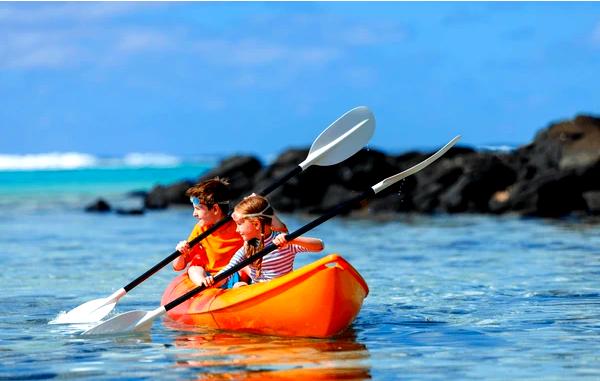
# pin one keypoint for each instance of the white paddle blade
(92, 311)
(342, 139)
(122, 323)
(414, 169)
(89, 312)
(133, 321)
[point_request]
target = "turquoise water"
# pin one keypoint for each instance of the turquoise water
(452, 297)
(94, 180)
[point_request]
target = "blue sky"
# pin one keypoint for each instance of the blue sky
(220, 78)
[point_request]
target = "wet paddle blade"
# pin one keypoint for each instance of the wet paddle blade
(128, 322)
(92, 311)
(415, 168)
(89, 312)
(122, 323)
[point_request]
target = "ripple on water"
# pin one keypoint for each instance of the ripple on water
(470, 297)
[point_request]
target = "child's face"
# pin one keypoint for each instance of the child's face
(248, 228)
(206, 216)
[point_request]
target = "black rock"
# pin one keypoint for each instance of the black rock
(240, 171)
(161, 196)
(592, 201)
(557, 174)
(98, 206)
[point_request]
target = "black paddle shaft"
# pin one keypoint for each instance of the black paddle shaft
(346, 205)
(208, 232)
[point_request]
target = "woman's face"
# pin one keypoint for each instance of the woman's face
(248, 228)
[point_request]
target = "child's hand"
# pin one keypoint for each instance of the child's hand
(208, 281)
(183, 247)
(280, 241)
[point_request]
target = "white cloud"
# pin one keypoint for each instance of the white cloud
(374, 34)
(37, 13)
(53, 48)
(33, 49)
(261, 52)
(63, 35)
(140, 40)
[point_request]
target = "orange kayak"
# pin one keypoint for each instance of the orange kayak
(320, 299)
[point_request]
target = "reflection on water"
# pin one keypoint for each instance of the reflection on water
(223, 356)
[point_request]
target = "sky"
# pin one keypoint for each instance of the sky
(197, 78)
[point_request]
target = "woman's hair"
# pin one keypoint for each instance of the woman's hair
(256, 207)
(211, 192)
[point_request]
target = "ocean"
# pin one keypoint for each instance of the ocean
(451, 296)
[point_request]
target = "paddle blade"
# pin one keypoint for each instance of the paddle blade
(133, 321)
(343, 138)
(89, 312)
(415, 168)
(123, 323)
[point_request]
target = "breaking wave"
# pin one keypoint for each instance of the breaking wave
(77, 160)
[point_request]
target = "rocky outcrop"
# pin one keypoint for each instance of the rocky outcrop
(98, 206)
(555, 175)
(555, 171)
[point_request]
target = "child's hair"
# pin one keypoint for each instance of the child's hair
(256, 207)
(211, 192)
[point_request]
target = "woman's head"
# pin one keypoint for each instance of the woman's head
(252, 216)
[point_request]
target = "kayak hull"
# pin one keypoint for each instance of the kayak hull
(320, 299)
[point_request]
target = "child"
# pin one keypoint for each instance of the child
(254, 217)
(210, 199)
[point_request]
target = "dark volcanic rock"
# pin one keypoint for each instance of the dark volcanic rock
(161, 196)
(554, 171)
(552, 194)
(555, 175)
(320, 187)
(99, 205)
(592, 201)
(241, 172)
(482, 176)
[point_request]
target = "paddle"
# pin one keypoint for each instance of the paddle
(137, 321)
(342, 139)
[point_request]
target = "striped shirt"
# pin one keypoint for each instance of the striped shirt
(275, 264)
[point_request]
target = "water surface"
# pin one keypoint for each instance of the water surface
(452, 297)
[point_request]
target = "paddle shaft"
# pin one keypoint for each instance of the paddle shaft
(269, 248)
(208, 232)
